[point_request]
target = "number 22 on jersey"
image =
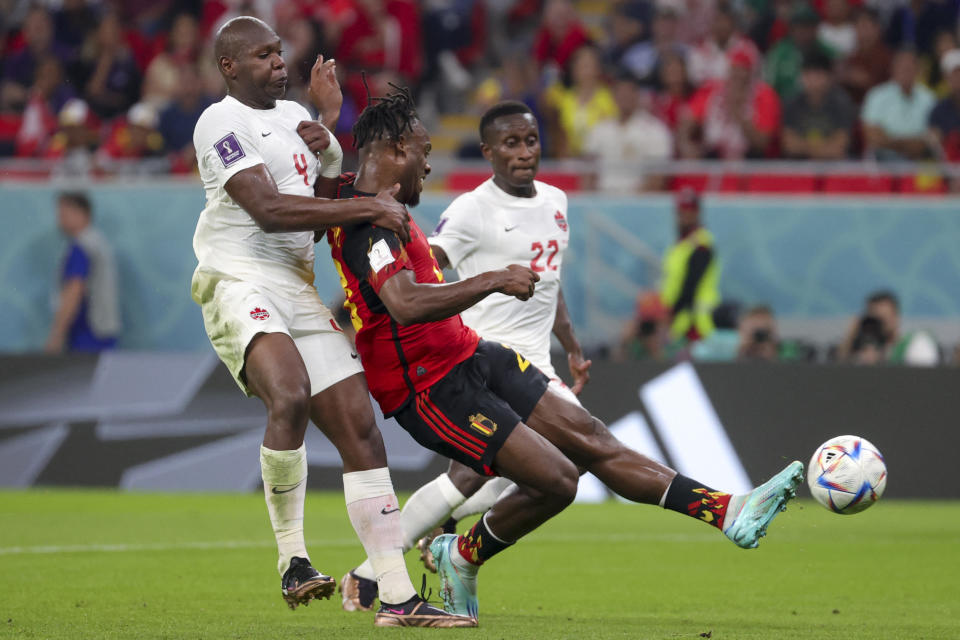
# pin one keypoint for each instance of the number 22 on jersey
(551, 251)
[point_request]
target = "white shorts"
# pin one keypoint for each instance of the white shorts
(556, 384)
(236, 311)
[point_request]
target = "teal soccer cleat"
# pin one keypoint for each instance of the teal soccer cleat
(752, 513)
(458, 586)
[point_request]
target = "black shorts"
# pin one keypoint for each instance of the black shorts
(468, 414)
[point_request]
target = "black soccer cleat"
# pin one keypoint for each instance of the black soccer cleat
(416, 612)
(301, 583)
(358, 593)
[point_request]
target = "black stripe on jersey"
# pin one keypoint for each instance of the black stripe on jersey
(403, 363)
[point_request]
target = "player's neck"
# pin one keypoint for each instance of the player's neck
(265, 102)
(517, 191)
(372, 179)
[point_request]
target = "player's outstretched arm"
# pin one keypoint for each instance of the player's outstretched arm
(275, 212)
(563, 329)
(410, 302)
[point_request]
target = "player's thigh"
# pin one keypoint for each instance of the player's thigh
(532, 461)
(511, 377)
(327, 353)
(344, 414)
(238, 317)
(580, 436)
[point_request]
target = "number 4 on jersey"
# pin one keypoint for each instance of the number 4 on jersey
(553, 246)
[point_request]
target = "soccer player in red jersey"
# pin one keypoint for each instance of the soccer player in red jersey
(481, 403)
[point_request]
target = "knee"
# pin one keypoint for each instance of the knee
(290, 403)
(466, 480)
(563, 488)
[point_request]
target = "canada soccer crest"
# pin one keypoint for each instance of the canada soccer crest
(561, 221)
(259, 314)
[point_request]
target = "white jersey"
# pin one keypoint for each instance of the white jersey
(228, 138)
(488, 229)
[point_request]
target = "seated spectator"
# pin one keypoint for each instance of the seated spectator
(560, 34)
(622, 143)
(896, 114)
(933, 75)
(709, 60)
(47, 96)
(646, 336)
(945, 117)
(160, 82)
(785, 59)
(72, 22)
(575, 110)
(875, 337)
(674, 91)
(455, 37)
(106, 73)
(732, 119)
(837, 32)
(134, 137)
(628, 34)
(72, 145)
(817, 124)
(869, 65)
(768, 21)
(914, 24)
(644, 59)
(758, 335)
(20, 66)
(180, 117)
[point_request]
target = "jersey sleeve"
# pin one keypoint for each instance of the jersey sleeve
(458, 232)
(225, 144)
(374, 255)
(77, 264)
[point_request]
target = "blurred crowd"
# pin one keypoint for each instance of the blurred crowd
(97, 82)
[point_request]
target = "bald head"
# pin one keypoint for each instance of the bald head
(239, 34)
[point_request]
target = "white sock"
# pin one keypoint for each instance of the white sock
(375, 514)
(430, 505)
(483, 499)
(285, 487)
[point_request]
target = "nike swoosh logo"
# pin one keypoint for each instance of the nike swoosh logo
(385, 512)
(510, 227)
(266, 134)
(398, 612)
(353, 355)
(278, 492)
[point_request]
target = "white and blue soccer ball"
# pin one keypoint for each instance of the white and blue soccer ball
(847, 474)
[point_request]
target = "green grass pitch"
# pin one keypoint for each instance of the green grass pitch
(103, 564)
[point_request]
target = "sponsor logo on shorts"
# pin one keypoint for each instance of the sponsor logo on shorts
(483, 424)
(561, 221)
(229, 149)
(259, 314)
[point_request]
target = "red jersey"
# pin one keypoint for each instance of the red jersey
(399, 361)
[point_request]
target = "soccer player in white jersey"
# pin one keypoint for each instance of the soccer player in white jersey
(259, 160)
(511, 218)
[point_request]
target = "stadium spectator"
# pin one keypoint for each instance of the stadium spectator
(623, 143)
(817, 124)
(869, 64)
(896, 113)
(710, 59)
(575, 110)
(87, 316)
(945, 117)
(628, 34)
(732, 119)
(47, 96)
(696, 18)
(690, 289)
(20, 65)
(454, 39)
(932, 74)
(915, 24)
(674, 91)
(837, 32)
(72, 146)
(72, 22)
(875, 337)
(133, 137)
(646, 336)
(106, 72)
(785, 60)
(644, 59)
(768, 22)
(560, 35)
(180, 117)
(758, 337)
(160, 82)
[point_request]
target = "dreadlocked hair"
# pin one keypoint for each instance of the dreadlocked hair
(384, 117)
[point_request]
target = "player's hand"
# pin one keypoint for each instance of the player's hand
(580, 370)
(390, 214)
(315, 135)
(324, 91)
(518, 281)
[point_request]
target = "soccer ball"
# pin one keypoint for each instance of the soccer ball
(847, 474)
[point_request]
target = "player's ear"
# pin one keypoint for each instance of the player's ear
(486, 151)
(226, 66)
